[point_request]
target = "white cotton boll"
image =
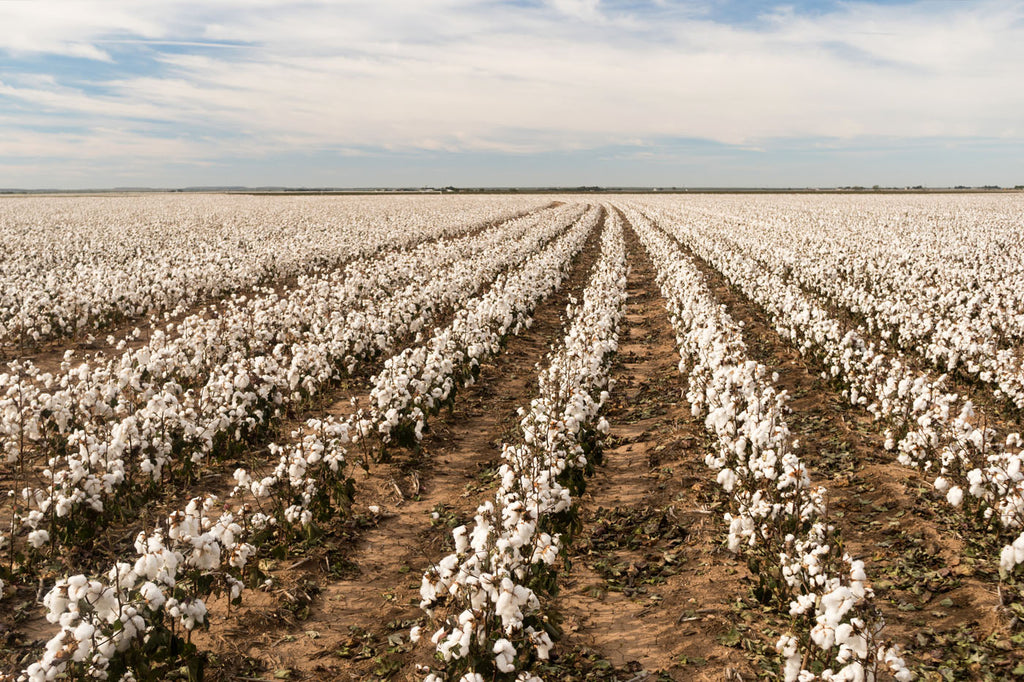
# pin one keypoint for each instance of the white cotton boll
(465, 639)
(1007, 559)
(415, 634)
(858, 644)
(727, 479)
(461, 541)
(823, 635)
(941, 484)
(801, 604)
(1012, 555)
(505, 655)
(955, 496)
(84, 631)
(153, 595)
(38, 538)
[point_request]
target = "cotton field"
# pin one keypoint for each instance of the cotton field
(512, 437)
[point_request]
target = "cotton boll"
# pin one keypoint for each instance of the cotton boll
(505, 655)
(38, 538)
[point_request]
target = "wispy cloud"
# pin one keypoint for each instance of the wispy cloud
(251, 79)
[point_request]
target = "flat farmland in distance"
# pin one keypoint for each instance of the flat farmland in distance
(512, 437)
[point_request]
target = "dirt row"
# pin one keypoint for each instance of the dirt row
(216, 477)
(648, 589)
(1000, 413)
(651, 589)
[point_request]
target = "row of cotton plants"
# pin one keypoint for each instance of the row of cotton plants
(975, 467)
(137, 618)
(102, 457)
(308, 484)
(487, 600)
(192, 353)
(777, 520)
(947, 287)
(935, 253)
(108, 259)
(162, 596)
(420, 380)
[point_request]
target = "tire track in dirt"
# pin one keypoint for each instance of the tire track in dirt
(354, 623)
(922, 576)
(650, 586)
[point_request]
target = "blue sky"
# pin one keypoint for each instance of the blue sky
(520, 93)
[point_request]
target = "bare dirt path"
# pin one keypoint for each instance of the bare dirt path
(650, 586)
(345, 614)
(933, 594)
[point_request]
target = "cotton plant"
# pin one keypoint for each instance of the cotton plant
(489, 599)
(974, 467)
(946, 289)
(113, 259)
(309, 483)
(419, 381)
(129, 426)
(309, 486)
(137, 613)
(777, 519)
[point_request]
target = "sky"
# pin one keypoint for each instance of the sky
(818, 93)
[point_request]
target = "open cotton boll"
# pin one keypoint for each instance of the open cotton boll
(505, 655)
(38, 538)
(1012, 555)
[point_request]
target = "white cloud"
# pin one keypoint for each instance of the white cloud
(492, 76)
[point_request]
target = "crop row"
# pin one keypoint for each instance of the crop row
(139, 615)
(949, 288)
(777, 519)
(125, 426)
(490, 599)
(977, 469)
(75, 265)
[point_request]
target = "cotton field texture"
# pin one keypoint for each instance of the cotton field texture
(512, 437)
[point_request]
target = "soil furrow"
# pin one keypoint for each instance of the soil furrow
(1001, 413)
(385, 484)
(650, 586)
